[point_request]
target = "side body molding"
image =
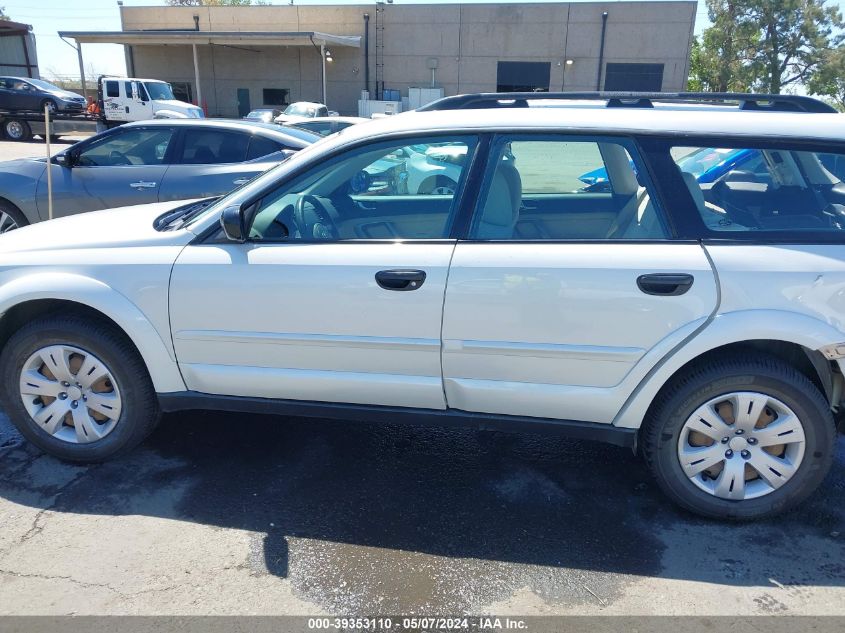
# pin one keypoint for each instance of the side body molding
(155, 351)
(732, 327)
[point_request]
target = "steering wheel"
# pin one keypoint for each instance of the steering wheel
(118, 159)
(322, 228)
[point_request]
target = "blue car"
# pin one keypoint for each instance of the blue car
(706, 164)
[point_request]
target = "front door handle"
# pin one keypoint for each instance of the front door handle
(665, 284)
(141, 184)
(400, 279)
(241, 181)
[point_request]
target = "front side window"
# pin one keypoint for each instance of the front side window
(566, 188)
(209, 147)
(128, 147)
(398, 190)
(764, 189)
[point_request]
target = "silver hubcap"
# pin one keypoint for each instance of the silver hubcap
(7, 223)
(51, 107)
(444, 190)
(70, 394)
(741, 445)
(14, 129)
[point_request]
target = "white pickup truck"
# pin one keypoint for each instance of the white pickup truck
(119, 100)
(125, 99)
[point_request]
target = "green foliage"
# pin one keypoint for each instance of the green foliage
(829, 80)
(764, 45)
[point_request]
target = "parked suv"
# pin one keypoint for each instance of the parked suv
(700, 324)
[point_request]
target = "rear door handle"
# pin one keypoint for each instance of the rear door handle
(241, 181)
(400, 280)
(665, 284)
(142, 185)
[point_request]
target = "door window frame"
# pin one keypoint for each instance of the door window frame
(631, 143)
(461, 206)
(690, 224)
(101, 138)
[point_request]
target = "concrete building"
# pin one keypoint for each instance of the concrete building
(234, 58)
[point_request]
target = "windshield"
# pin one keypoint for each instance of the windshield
(44, 85)
(159, 91)
(300, 109)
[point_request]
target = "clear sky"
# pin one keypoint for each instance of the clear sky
(56, 58)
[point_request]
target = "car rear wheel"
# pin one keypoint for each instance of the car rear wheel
(16, 130)
(77, 388)
(11, 218)
(739, 438)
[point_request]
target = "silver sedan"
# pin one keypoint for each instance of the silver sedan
(147, 161)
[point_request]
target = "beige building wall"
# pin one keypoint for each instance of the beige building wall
(467, 40)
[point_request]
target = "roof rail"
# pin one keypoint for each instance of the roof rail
(743, 100)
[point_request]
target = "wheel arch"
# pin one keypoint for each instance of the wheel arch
(791, 337)
(26, 298)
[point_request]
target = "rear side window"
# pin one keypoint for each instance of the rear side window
(750, 189)
(112, 89)
(565, 188)
(208, 147)
(260, 146)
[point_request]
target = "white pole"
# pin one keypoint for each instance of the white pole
(197, 75)
(49, 164)
(323, 61)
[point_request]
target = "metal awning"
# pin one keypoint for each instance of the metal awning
(188, 37)
(195, 38)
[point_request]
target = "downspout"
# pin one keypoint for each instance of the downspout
(601, 49)
(366, 51)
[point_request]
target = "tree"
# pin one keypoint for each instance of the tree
(766, 45)
(794, 38)
(829, 79)
(3, 15)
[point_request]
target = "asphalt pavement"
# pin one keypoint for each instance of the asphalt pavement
(242, 514)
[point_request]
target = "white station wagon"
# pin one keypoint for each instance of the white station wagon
(692, 307)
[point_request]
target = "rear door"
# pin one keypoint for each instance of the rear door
(561, 290)
(124, 167)
(212, 161)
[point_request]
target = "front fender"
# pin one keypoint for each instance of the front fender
(95, 294)
(733, 327)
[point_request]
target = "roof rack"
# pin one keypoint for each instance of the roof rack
(744, 101)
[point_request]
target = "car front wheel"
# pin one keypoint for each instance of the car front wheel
(740, 438)
(77, 388)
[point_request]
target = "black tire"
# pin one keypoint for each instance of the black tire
(54, 107)
(17, 130)
(12, 212)
(660, 433)
(439, 182)
(140, 412)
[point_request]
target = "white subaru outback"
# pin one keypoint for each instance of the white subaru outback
(692, 307)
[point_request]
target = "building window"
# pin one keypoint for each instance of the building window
(634, 77)
(523, 76)
(182, 91)
(276, 96)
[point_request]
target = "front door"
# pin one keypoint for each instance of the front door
(336, 297)
(565, 283)
(122, 168)
(243, 102)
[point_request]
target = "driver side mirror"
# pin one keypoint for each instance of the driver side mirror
(233, 223)
(66, 159)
